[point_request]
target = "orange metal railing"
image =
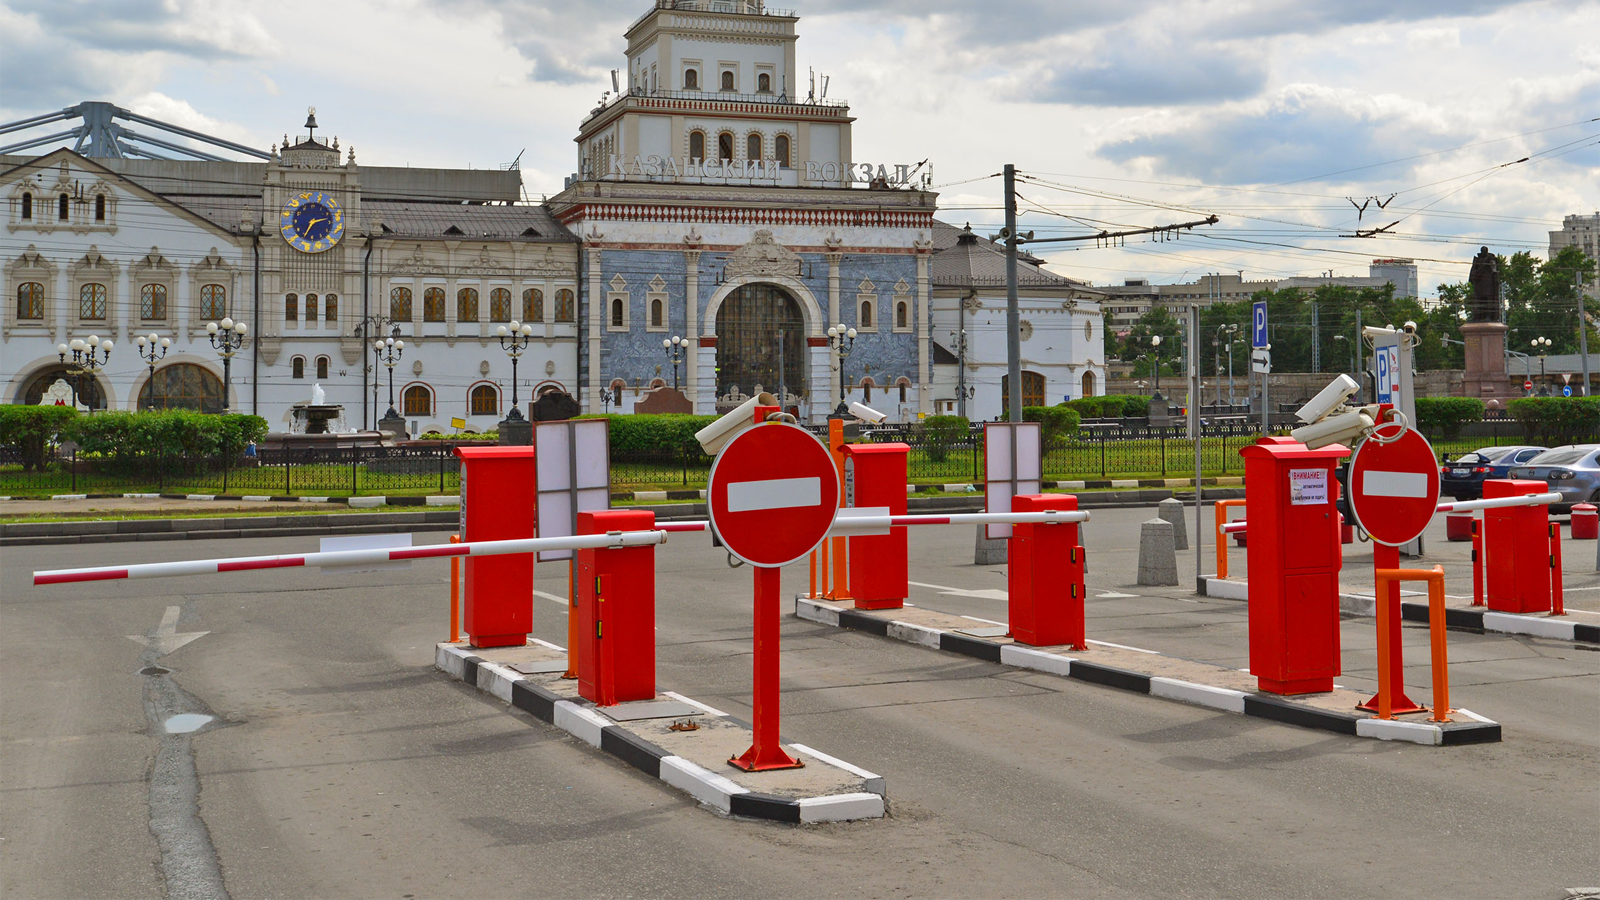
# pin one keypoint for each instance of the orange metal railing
(455, 594)
(1436, 632)
(1222, 507)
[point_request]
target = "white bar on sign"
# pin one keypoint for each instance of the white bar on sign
(1394, 484)
(777, 493)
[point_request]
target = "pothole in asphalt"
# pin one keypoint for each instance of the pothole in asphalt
(183, 723)
(153, 670)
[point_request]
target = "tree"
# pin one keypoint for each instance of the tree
(1137, 348)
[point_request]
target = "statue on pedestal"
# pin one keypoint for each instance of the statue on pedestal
(1485, 281)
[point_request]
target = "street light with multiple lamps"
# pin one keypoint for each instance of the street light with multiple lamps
(1541, 346)
(841, 341)
(389, 351)
(513, 340)
(87, 355)
(677, 349)
(227, 337)
(1155, 356)
(152, 349)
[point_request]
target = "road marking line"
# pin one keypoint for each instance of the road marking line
(1126, 647)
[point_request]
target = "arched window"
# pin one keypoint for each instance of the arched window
(183, 386)
(322, 368)
(727, 81)
(499, 305)
(904, 386)
(27, 205)
(89, 390)
(1033, 390)
(901, 315)
(417, 400)
(330, 307)
(565, 310)
(30, 300)
(484, 401)
(433, 305)
(865, 319)
(752, 147)
(1088, 383)
(311, 307)
(691, 79)
(618, 310)
(467, 305)
(91, 300)
(533, 305)
(291, 307)
(655, 314)
(697, 145)
(100, 207)
(781, 150)
(297, 367)
(61, 207)
(214, 301)
(153, 301)
(725, 146)
(763, 83)
(400, 304)
(866, 390)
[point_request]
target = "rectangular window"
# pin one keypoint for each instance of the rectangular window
(153, 301)
(213, 301)
(91, 301)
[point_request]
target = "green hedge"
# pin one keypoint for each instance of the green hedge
(1557, 420)
(653, 433)
(1059, 423)
(123, 436)
(29, 430)
(1447, 414)
(942, 432)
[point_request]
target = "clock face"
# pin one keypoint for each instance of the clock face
(311, 221)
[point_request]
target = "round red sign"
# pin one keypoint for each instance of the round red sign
(1527, 385)
(1394, 484)
(773, 494)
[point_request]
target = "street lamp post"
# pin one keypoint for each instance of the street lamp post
(959, 339)
(1541, 346)
(389, 350)
(677, 350)
(513, 340)
(841, 341)
(152, 349)
(227, 337)
(1155, 352)
(87, 355)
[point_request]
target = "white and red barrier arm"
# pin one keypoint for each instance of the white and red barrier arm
(1234, 527)
(1500, 502)
(349, 557)
(868, 520)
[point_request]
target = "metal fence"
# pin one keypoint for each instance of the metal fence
(1096, 452)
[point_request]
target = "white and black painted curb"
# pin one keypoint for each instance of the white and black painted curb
(1262, 706)
(1475, 619)
(582, 721)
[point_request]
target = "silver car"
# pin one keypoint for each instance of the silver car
(1573, 470)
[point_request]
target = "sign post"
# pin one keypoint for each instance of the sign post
(772, 497)
(1394, 489)
(1260, 343)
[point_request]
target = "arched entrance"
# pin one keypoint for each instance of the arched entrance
(89, 392)
(756, 325)
(182, 386)
(1088, 383)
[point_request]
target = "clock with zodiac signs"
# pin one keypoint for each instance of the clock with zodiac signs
(311, 221)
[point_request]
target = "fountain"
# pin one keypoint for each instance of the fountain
(322, 424)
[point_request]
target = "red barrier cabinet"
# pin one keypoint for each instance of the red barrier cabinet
(1294, 560)
(1516, 547)
(1044, 576)
(875, 475)
(498, 504)
(616, 611)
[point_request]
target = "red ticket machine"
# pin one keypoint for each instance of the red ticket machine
(498, 504)
(875, 476)
(1044, 576)
(616, 611)
(1294, 560)
(1516, 543)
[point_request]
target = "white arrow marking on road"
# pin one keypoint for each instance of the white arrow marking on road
(166, 639)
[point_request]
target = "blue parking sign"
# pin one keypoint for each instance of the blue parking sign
(1381, 359)
(1258, 318)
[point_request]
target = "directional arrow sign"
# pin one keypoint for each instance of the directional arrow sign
(167, 639)
(1261, 361)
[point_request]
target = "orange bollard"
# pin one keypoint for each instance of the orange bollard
(1558, 605)
(1384, 703)
(572, 619)
(455, 594)
(1220, 508)
(1477, 562)
(841, 571)
(1436, 635)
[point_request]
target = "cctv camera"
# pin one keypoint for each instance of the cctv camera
(715, 436)
(1343, 428)
(1410, 327)
(1328, 400)
(867, 414)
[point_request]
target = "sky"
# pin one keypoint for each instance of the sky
(1480, 117)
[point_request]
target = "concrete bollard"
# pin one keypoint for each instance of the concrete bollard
(1158, 557)
(1171, 510)
(989, 552)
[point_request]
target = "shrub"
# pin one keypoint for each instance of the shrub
(1058, 424)
(1557, 420)
(1104, 407)
(943, 431)
(1134, 406)
(653, 433)
(29, 430)
(1446, 415)
(123, 436)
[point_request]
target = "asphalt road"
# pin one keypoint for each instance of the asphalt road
(340, 764)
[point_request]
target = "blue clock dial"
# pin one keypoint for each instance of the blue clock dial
(311, 221)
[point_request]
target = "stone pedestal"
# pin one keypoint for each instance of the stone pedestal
(1485, 366)
(395, 425)
(516, 432)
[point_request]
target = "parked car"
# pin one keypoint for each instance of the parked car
(1462, 477)
(1573, 470)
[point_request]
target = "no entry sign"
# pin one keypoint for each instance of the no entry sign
(773, 494)
(1394, 484)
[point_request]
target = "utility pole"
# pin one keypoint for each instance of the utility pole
(1013, 329)
(1316, 340)
(1583, 331)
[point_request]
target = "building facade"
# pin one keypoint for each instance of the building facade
(1582, 232)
